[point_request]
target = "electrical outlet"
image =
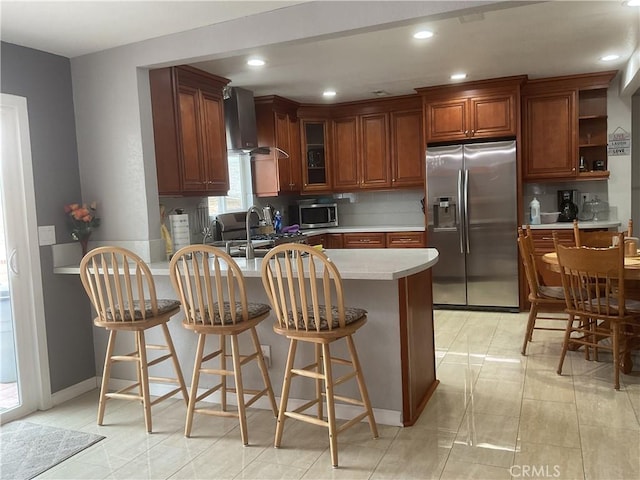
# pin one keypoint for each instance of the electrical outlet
(266, 353)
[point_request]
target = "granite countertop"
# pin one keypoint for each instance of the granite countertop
(569, 225)
(353, 264)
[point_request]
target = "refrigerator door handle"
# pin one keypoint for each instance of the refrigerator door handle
(460, 212)
(466, 209)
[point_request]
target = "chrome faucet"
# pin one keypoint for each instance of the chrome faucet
(250, 254)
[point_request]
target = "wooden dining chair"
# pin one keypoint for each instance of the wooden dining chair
(212, 290)
(593, 282)
(122, 291)
(543, 299)
(597, 239)
(306, 293)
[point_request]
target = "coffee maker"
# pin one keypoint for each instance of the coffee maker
(568, 205)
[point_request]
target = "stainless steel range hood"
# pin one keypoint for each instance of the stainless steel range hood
(240, 123)
(240, 120)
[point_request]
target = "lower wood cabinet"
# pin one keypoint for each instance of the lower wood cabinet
(406, 240)
(370, 240)
(364, 240)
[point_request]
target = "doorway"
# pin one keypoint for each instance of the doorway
(24, 376)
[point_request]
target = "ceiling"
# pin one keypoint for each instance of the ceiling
(540, 39)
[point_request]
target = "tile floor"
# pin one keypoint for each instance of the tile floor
(495, 415)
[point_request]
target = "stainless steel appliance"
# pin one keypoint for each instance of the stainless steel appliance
(315, 215)
(471, 209)
(233, 234)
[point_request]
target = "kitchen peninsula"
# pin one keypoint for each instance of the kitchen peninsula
(396, 346)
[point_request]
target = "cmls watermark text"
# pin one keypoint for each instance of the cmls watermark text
(537, 471)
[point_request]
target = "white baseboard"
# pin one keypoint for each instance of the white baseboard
(75, 390)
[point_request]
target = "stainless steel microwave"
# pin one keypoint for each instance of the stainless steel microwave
(317, 215)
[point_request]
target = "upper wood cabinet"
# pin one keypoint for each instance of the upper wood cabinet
(360, 152)
(550, 135)
(564, 119)
(484, 109)
(407, 148)
(316, 161)
(189, 135)
(277, 126)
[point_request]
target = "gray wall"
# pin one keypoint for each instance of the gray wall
(45, 80)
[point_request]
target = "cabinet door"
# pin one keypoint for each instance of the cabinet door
(282, 141)
(375, 165)
(364, 240)
(493, 116)
(333, 240)
(407, 149)
(447, 120)
(405, 240)
(550, 135)
(346, 170)
(295, 176)
(315, 164)
(316, 239)
(193, 166)
(215, 145)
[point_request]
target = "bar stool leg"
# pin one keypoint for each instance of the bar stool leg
(176, 365)
(106, 373)
(144, 379)
(263, 371)
(195, 379)
(237, 375)
(331, 410)
(286, 385)
(319, 370)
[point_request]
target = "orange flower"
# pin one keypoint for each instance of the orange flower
(82, 219)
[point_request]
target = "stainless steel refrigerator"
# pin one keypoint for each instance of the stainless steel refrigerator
(471, 209)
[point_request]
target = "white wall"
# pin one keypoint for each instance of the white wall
(111, 98)
(619, 184)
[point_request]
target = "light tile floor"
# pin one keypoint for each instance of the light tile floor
(496, 414)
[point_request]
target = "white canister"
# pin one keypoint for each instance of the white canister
(534, 212)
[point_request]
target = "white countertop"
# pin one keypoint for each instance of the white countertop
(569, 225)
(353, 263)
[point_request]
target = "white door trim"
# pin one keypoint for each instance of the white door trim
(30, 330)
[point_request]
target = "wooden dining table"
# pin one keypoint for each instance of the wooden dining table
(631, 287)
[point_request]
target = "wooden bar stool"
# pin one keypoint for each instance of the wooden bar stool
(305, 291)
(212, 290)
(121, 289)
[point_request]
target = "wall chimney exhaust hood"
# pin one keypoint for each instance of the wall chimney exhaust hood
(240, 123)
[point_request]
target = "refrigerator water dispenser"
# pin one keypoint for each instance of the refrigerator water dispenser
(444, 213)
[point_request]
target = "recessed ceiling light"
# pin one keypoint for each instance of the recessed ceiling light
(632, 3)
(423, 34)
(329, 93)
(458, 76)
(255, 62)
(609, 58)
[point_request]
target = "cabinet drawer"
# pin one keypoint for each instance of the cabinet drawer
(405, 240)
(364, 240)
(543, 239)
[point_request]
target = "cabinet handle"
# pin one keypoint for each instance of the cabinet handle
(473, 132)
(573, 169)
(466, 132)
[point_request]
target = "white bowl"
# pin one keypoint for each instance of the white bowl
(549, 217)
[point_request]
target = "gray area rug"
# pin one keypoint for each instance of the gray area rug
(28, 449)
